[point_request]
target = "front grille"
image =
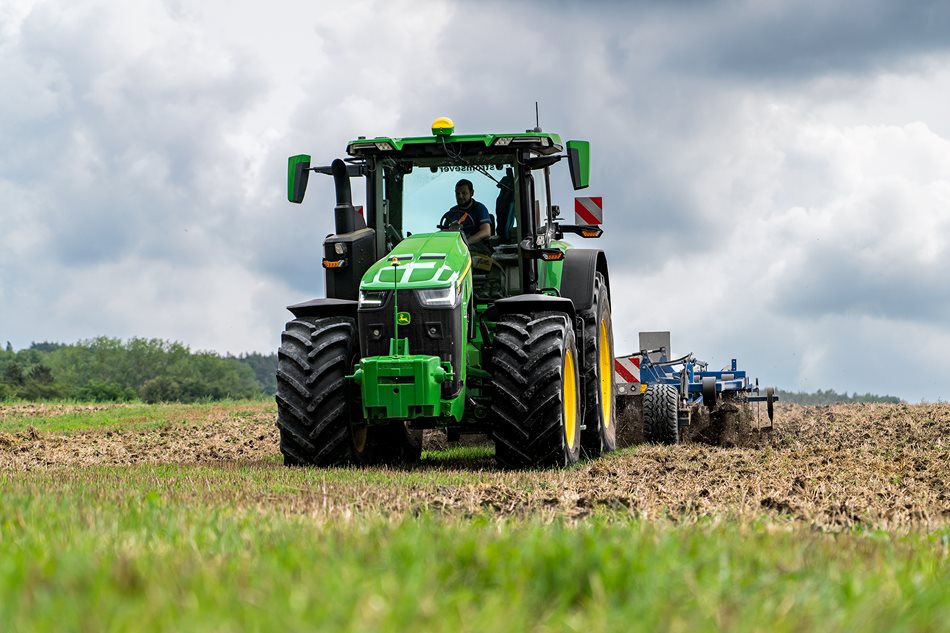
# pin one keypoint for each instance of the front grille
(431, 332)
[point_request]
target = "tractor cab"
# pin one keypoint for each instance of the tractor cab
(410, 186)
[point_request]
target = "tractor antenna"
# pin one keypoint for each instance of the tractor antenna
(537, 118)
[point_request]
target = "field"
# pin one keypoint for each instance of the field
(169, 517)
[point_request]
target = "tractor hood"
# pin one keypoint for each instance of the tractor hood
(426, 260)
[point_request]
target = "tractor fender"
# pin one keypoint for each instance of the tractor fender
(325, 308)
(577, 279)
(523, 304)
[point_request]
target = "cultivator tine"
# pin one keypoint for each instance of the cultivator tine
(770, 410)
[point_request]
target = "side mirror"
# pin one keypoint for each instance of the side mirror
(540, 162)
(578, 158)
(298, 173)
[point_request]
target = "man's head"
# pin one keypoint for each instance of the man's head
(464, 192)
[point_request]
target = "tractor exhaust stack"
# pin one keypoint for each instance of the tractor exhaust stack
(344, 213)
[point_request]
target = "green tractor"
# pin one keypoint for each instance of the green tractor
(511, 337)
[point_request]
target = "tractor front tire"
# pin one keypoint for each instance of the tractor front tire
(313, 396)
(537, 391)
(660, 414)
(600, 416)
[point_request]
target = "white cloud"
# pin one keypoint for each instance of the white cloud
(787, 208)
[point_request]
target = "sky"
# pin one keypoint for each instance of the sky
(775, 175)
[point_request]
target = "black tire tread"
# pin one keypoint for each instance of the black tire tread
(527, 356)
(660, 409)
(312, 412)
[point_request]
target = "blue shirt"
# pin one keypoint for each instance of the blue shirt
(474, 217)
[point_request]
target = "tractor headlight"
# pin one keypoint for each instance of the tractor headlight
(372, 298)
(439, 297)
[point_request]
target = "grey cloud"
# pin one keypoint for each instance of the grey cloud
(130, 146)
(802, 40)
(137, 164)
(833, 281)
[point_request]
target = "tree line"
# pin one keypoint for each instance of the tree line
(151, 370)
(830, 396)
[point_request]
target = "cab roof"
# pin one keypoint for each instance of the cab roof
(539, 142)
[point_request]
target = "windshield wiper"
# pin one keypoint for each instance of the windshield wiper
(478, 168)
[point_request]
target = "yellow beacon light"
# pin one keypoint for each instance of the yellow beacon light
(443, 126)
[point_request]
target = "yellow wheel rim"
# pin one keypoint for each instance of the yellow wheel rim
(570, 399)
(606, 374)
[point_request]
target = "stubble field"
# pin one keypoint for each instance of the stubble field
(128, 516)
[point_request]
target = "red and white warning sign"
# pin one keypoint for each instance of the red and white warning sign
(627, 369)
(589, 210)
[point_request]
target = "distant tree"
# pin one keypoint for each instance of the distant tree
(830, 396)
(13, 374)
(33, 390)
(160, 389)
(99, 391)
(108, 369)
(265, 370)
(40, 374)
(9, 348)
(46, 346)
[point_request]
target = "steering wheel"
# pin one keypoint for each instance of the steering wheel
(445, 225)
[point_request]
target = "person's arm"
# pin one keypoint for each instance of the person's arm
(483, 233)
(480, 214)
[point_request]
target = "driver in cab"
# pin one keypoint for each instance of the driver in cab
(469, 214)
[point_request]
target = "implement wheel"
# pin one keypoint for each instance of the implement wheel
(600, 415)
(313, 396)
(537, 391)
(660, 414)
(709, 392)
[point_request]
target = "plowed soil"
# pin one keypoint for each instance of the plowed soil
(837, 467)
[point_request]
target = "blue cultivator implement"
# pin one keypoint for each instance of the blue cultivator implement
(676, 393)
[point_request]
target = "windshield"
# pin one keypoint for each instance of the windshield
(420, 192)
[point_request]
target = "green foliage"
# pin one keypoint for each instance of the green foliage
(105, 369)
(38, 391)
(830, 396)
(46, 346)
(13, 375)
(265, 369)
(101, 391)
(40, 374)
(160, 389)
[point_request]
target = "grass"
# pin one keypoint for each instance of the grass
(169, 548)
(71, 417)
(253, 546)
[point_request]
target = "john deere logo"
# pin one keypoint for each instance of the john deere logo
(402, 318)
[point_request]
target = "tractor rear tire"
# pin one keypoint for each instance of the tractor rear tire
(600, 416)
(537, 391)
(661, 414)
(313, 396)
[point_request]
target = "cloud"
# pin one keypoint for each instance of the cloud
(774, 174)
